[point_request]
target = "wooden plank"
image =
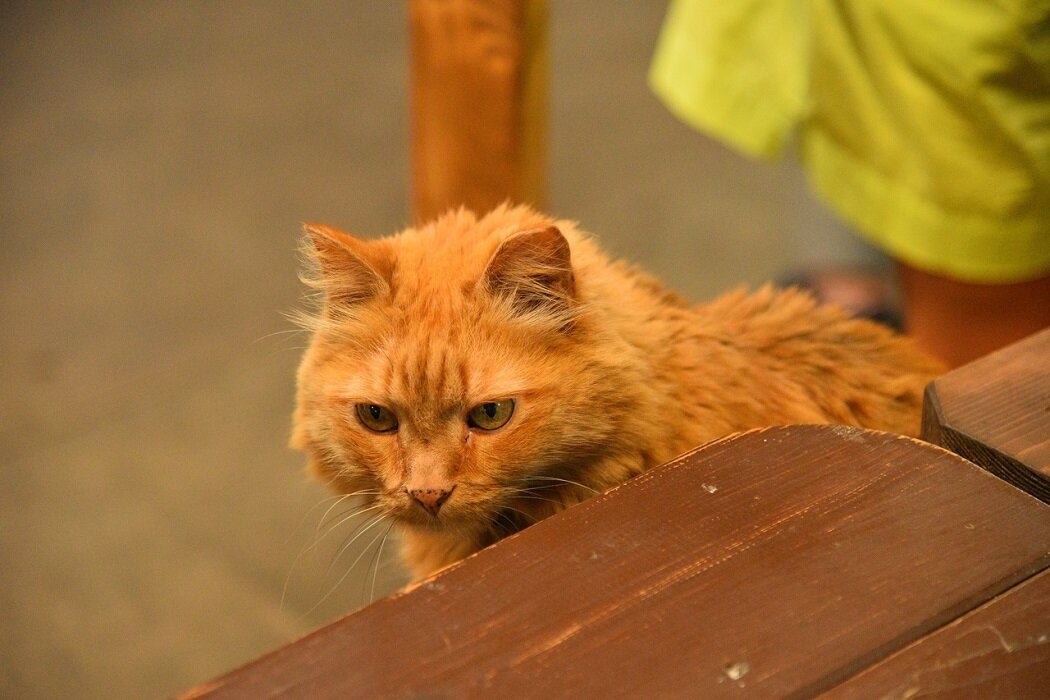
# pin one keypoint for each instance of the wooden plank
(778, 562)
(995, 412)
(1000, 650)
(478, 103)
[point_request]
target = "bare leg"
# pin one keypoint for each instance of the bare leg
(961, 321)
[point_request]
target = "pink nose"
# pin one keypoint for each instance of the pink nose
(430, 499)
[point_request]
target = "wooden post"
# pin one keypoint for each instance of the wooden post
(478, 103)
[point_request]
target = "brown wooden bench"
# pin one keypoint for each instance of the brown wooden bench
(996, 413)
(789, 561)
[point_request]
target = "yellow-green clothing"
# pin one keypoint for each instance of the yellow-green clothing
(924, 123)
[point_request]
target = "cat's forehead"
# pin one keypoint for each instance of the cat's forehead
(451, 253)
(433, 374)
(435, 270)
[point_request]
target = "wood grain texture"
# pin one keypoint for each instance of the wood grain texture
(1000, 650)
(478, 103)
(778, 562)
(995, 412)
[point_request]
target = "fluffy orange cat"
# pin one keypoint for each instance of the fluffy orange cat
(474, 375)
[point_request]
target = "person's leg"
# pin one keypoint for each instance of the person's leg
(960, 321)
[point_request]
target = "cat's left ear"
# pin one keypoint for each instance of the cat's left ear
(534, 269)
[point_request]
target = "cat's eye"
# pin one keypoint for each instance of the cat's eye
(491, 414)
(375, 417)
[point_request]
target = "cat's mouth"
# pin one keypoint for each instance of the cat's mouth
(430, 509)
(443, 522)
(465, 510)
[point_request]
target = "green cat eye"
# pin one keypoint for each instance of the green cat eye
(375, 417)
(491, 414)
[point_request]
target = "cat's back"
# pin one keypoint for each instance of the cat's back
(815, 363)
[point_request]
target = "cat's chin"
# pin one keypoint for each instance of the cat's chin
(454, 522)
(447, 527)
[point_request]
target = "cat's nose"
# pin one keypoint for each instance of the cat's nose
(430, 499)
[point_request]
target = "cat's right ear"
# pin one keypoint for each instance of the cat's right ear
(347, 273)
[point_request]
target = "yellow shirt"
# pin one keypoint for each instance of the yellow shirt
(923, 123)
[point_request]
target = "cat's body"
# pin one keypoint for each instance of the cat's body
(507, 369)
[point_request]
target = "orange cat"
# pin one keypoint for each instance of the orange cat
(472, 376)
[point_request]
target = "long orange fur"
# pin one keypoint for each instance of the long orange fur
(611, 373)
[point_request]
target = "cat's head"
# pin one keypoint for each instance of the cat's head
(455, 373)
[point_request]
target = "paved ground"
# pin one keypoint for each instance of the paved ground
(155, 162)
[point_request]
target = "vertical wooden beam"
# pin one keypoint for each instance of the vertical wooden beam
(478, 103)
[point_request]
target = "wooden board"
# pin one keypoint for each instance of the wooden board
(778, 562)
(478, 103)
(1000, 650)
(995, 412)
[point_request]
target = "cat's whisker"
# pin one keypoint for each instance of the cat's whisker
(285, 343)
(540, 487)
(525, 494)
(533, 518)
(357, 533)
(317, 530)
(352, 564)
(353, 509)
(368, 570)
(518, 492)
(378, 561)
(286, 331)
(564, 481)
(340, 499)
(364, 492)
(507, 526)
(527, 490)
(318, 538)
(527, 497)
(291, 348)
(343, 518)
(307, 514)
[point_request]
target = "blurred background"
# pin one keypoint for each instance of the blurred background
(156, 163)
